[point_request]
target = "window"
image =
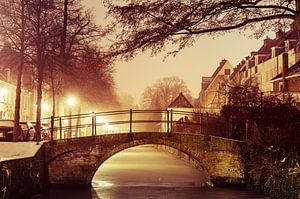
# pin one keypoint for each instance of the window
(227, 71)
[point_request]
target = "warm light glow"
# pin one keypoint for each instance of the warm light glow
(71, 101)
(45, 106)
(100, 119)
(99, 183)
(3, 91)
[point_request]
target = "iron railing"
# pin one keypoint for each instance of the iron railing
(129, 121)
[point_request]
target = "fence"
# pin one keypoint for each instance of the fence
(128, 121)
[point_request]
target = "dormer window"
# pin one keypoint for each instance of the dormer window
(227, 71)
(276, 51)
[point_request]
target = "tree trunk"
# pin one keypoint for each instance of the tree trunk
(17, 128)
(53, 93)
(298, 17)
(64, 31)
(40, 71)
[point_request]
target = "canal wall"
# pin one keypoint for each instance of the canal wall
(224, 166)
(22, 178)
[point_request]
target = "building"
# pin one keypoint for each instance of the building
(261, 66)
(213, 88)
(8, 80)
(288, 81)
(180, 107)
(7, 100)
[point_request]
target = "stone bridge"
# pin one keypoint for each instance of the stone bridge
(75, 161)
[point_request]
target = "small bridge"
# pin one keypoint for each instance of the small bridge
(81, 143)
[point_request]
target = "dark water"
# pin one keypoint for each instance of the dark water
(149, 193)
(145, 173)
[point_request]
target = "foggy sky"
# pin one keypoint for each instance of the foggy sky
(190, 64)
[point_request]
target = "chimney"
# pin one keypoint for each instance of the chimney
(267, 40)
(285, 62)
(253, 53)
(279, 34)
(259, 58)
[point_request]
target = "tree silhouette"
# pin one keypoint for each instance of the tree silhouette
(161, 93)
(154, 24)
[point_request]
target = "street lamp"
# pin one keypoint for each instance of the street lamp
(45, 108)
(71, 102)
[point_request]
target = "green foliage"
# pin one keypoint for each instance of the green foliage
(271, 153)
(276, 117)
(272, 170)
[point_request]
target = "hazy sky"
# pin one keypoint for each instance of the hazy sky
(190, 64)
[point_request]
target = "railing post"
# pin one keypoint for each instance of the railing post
(60, 128)
(168, 120)
(247, 129)
(201, 123)
(171, 121)
(93, 123)
(130, 121)
(52, 127)
(207, 123)
(95, 118)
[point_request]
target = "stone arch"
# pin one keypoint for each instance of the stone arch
(75, 161)
(195, 163)
(79, 166)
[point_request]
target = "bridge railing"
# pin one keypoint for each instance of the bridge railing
(128, 121)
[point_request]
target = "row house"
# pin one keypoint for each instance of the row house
(276, 56)
(213, 88)
(274, 68)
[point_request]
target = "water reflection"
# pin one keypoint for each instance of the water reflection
(146, 166)
(173, 193)
(68, 193)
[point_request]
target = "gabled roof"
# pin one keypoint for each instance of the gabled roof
(293, 70)
(180, 102)
(219, 68)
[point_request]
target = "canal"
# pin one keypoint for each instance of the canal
(144, 172)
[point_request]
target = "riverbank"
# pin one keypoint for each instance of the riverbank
(22, 170)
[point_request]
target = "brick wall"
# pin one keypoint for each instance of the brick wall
(22, 178)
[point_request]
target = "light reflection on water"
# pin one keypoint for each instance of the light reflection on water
(173, 193)
(101, 183)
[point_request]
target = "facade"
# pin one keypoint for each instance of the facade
(261, 66)
(7, 101)
(213, 89)
(288, 81)
(8, 80)
(274, 68)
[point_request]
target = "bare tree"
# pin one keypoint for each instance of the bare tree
(55, 34)
(144, 24)
(13, 29)
(160, 94)
(96, 72)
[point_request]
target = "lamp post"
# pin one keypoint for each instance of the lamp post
(71, 102)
